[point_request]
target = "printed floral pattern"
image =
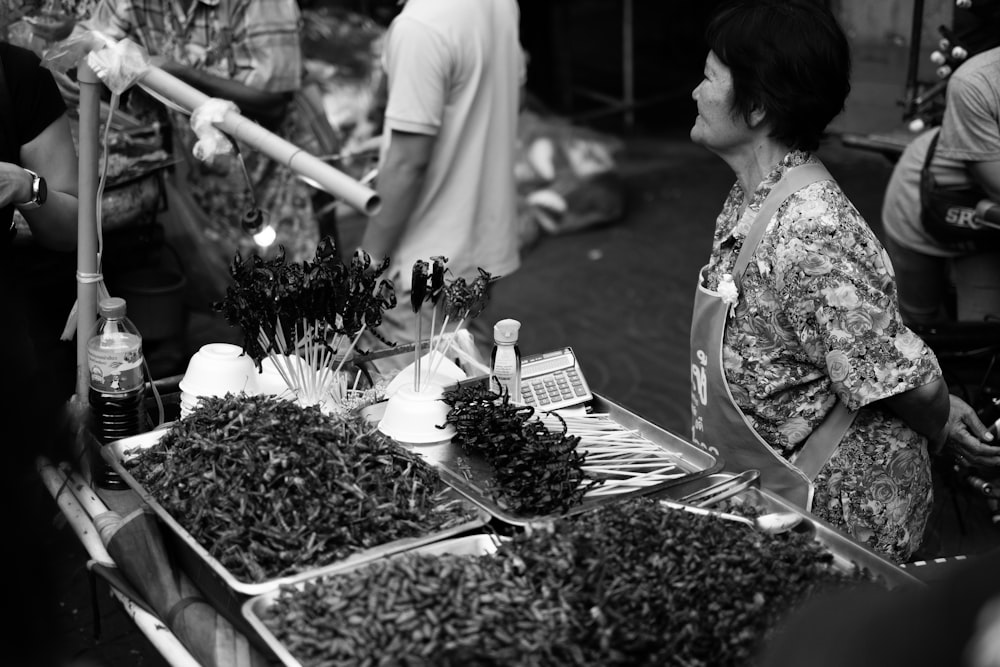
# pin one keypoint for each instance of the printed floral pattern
(818, 319)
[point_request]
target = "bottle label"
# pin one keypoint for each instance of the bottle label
(115, 362)
(506, 372)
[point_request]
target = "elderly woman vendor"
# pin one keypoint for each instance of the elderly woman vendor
(801, 365)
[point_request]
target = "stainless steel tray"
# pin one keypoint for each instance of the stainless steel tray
(847, 555)
(226, 592)
(844, 549)
(470, 475)
(255, 608)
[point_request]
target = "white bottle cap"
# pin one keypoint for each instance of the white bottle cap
(505, 331)
(113, 306)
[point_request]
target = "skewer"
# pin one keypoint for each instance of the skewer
(418, 292)
(615, 465)
(623, 476)
(643, 479)
(451, 341)
(625, 451)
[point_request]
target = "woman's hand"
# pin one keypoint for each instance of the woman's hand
(966, 436)
(947, 422)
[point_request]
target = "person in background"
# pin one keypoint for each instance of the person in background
(38, 181)
(801, 364)
(248, 52)
(966, 162)
(446, 174)
(38, 184)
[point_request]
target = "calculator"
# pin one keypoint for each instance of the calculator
(553, 380)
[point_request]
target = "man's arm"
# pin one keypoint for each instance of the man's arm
(260, 106)
(400, 179)
(987, 175)
(52, 155)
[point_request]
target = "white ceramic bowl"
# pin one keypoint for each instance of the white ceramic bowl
(413, 417)
(218, 369)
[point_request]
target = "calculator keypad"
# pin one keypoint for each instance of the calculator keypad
(554, 390)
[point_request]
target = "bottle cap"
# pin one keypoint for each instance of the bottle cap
(113, 307)
(505, 331)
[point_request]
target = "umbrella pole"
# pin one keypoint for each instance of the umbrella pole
(86, 251)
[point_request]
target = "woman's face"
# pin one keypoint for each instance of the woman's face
(717, 127)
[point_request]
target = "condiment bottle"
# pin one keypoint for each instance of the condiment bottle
(505, 360)
(117, 381)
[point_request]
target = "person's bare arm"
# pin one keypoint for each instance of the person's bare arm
(987, 175)
(52, 155)
(260, 106)
(400, 178)
(946, 421)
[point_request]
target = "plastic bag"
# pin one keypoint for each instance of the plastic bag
(567, 176)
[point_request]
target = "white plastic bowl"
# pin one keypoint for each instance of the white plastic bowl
(413, 417)
(218, 369)
(446, 372)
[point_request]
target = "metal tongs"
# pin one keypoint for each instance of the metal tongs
(773, 523)
(727, 488)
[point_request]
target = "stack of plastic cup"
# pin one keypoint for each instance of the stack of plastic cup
(216, 369)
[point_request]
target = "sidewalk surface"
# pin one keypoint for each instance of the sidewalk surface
(619, 295)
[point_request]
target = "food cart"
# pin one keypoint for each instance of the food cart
(106, 522)
(237, 608)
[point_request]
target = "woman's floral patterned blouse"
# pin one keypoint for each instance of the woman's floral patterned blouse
(817, 319)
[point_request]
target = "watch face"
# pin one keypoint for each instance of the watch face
(41, 190)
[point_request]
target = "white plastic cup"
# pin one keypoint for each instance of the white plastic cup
(270, 381)
(445, 372)
(218, 369)
(413, 417)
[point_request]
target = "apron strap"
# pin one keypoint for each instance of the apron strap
(823, 441)
(794, 180)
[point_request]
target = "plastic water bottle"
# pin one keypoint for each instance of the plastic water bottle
(117, 381)
(505, 360)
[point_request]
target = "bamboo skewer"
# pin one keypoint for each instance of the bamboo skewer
(623, 466)
(447, 348)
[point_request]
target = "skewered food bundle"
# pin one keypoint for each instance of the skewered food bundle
(317, 310)
(458, 299)
(271, 488)
(537, 469)
(627, 584)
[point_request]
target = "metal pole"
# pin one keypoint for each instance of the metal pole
(86, 248)
(912, 71)
(628, 64)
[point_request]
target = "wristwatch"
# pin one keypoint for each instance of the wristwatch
(39, 191)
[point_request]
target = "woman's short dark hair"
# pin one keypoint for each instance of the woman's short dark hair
(789, 58)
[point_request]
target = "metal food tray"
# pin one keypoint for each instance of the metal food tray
(255, 608)
(216, 582)
(846, 552)
(843, 548)
(471, 474)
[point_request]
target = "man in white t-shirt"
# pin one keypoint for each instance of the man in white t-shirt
(454, 71)
(967, 154)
